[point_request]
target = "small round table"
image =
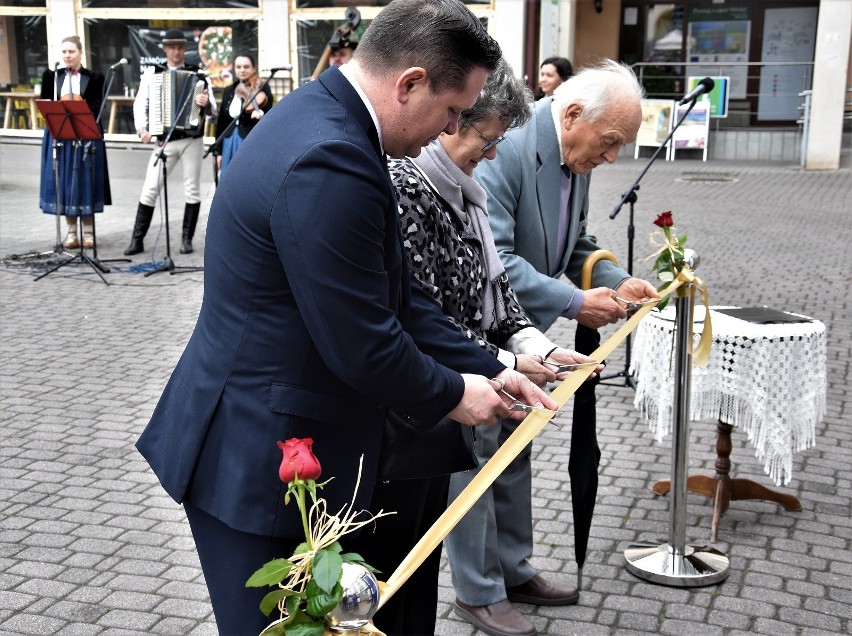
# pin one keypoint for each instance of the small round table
(765, 378)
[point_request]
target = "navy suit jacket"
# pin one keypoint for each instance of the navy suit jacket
(310, 324)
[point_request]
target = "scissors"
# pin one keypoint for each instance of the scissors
(561, 368)
(517, 405)
(631, 306)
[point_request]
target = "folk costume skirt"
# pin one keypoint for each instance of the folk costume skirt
(82, 177)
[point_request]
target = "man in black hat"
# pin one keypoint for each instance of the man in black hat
(184, 146)
(342, 51)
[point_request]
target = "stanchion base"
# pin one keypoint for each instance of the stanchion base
(658, 563)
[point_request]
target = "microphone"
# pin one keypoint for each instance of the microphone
(118, 64)
(704, 86)
(286, 67)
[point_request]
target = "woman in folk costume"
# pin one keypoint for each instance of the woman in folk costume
(246, 100)
(78, 196)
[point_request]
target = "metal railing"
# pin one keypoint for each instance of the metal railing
(668, 80)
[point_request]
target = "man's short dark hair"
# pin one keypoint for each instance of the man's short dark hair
(441, 36)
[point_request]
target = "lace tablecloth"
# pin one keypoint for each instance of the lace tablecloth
(768, 380)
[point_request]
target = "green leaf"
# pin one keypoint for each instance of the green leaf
(326, 569)
(681, 240)
(335, 547)
(302, 548)
(354, 557)
(270, 601)
(271, 573)
(665, 276)
(321, 603)
(306, 629)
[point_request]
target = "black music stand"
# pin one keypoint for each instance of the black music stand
(72, 121)
(168, 265)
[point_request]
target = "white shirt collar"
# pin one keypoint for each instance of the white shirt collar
(350, 77)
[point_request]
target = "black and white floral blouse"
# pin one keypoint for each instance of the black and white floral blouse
(446, 257)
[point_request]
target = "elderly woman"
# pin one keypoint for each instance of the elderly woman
(451, 251)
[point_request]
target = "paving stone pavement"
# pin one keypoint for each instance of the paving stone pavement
(91, 545)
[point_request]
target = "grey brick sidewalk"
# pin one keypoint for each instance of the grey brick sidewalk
(90, 544)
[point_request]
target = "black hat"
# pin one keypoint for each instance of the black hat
(174, 36)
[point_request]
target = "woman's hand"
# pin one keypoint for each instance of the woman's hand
(534, 368)
(568, 356)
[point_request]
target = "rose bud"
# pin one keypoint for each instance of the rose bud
(664, 220)
(298, 460)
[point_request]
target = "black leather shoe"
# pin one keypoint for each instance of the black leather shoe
(540, 591)
(186, 246)
(499, 619)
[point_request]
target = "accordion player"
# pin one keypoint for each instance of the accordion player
(171, 101)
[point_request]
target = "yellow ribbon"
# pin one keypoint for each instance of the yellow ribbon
(701, 353)
(517, 441)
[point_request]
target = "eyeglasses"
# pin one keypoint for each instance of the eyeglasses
(489, 143)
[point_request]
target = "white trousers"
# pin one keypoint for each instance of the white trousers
(186, 152)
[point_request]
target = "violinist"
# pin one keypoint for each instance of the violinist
(246, 101)
(77, 195)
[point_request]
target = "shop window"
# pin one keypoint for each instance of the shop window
(170, 4)
(25, 49)
(210, 45)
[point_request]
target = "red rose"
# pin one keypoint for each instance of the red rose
(299, 460)
(664, 220)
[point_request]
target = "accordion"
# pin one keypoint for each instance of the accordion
(169, 91)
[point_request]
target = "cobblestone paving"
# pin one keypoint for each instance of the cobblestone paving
(90, 545)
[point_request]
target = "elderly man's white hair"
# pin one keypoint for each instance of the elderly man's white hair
(594, 87)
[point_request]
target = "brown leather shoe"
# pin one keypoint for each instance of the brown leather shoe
(540, 591)
(499, 619)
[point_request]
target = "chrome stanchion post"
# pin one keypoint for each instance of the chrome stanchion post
(675, 563)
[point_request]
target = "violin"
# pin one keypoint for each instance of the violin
(249, 98)
(250, 88)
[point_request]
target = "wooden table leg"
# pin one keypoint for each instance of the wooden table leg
(33, 114)
(113, 108)
(7, 118)
(722, 488)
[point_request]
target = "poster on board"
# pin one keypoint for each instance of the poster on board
(789, 35)
(718, 36)
(718, 96)
(694, 130)
(656, 124)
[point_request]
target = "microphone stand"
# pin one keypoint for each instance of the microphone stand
(168, 264)
(630, 197)
(91, 153)
(236, 119)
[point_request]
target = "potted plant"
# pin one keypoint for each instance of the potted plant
(36, 84)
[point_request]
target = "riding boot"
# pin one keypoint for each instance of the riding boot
(190, 218)
(144, 214)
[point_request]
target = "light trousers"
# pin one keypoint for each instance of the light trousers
(489, 549)
(186, 152)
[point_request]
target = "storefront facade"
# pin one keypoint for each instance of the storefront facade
(766, 48)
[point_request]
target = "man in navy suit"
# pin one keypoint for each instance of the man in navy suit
(310, 326)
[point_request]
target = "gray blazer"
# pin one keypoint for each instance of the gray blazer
(523, 186)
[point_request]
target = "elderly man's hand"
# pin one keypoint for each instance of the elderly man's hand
(636, 290)
(599, 308)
